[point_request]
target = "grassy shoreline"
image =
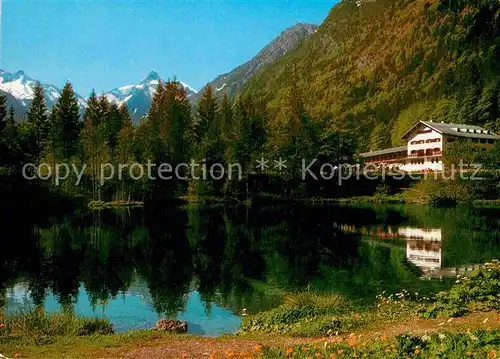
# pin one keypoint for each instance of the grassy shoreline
(393, 199)
(114, 204)
(473, 303)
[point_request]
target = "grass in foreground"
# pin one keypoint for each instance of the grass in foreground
(70, 346)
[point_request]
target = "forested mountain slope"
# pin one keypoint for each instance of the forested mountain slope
(376, 67)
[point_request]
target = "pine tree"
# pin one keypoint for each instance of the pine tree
(38, 124)
(65, 125)
(167, 124)
(124, 149)
(94, 141)
(125, 117)
(3, 111)
(12, 115)
(8, 140)
(207, 111)
(249, 129)
(114, 124)
(225, 117)
(10, 144)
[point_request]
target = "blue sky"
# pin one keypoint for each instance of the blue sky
(103, 44)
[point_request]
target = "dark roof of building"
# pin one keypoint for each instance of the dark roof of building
(458, 130)
(386, 151)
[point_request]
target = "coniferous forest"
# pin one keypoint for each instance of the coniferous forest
(371, 71)
(378, 67)
(173, 132)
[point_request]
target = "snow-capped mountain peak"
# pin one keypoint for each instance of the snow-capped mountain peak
(153, 76)
(138, 97)
(22, 88)
(189, 89)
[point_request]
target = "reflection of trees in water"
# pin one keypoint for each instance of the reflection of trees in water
(225, 252)
(238, 257)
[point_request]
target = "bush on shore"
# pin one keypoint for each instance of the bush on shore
(480, 291)
(313, 314)
(40, 327)
(306, 314)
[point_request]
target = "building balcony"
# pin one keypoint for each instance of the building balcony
(434, 154)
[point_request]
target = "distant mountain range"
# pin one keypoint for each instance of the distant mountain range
(232, 82)
(19, 87)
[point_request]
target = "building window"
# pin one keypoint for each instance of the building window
(491, 141)
(424, 131)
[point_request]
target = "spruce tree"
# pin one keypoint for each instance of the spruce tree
(125, 150)
(94, 140)
(12, 115)
(114, 124)
(125, 117)
(11, 141)
(65, 124)
(166, 130)
(207, 111)
(38, 124)
(3, 111)
(225, 117)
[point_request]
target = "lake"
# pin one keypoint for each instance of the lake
(205, 264)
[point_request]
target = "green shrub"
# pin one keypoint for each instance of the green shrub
(478, 292)
(41, 327)
(304, 314)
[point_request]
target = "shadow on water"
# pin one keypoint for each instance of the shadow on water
(205, 264)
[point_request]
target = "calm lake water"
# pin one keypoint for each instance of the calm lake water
(205, 264)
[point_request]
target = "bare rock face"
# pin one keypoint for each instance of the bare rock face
(171, 325)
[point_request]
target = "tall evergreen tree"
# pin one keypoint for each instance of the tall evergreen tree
(124, 150)
(114, 123)
(167, 124)
(125, 117)
(12, 114)
(65, 125)
(6, 139)
(38, 124)
(250, 134)
(207, 111)
(225, 117)
(94, 141)
(3, 111)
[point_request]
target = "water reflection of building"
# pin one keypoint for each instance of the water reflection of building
(423, 247)
(420, 233)
(424, 254)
